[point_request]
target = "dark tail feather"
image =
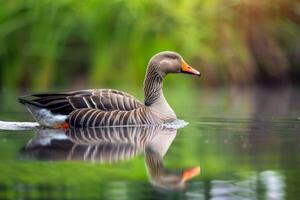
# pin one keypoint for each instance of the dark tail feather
(56, 104)
(51, 94)
(25, 100)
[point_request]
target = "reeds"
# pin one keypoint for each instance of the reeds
(105, 43)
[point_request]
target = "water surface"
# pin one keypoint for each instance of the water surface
(246, 142)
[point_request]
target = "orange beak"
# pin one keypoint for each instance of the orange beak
(190, 173)
(185, 68)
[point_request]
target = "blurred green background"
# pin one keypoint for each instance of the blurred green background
(49, 44)
(60, 45)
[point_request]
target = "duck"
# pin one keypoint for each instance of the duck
(110, 107)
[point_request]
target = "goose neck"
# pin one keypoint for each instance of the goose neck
(154, 98)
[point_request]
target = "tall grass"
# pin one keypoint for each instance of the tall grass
(49, 43)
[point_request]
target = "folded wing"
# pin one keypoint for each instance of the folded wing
(65, 103)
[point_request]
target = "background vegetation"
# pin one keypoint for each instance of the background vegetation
(97, 43)
(236, 135)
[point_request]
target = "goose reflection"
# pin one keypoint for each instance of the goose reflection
(110, 145)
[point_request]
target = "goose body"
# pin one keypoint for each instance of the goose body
(108, 107)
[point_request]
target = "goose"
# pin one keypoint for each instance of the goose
(109, 107)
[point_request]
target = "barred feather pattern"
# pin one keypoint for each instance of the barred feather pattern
(106, 100)
(152, 85)
(65, 103)
(88, 117)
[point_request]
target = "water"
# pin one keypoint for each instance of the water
(246, 142)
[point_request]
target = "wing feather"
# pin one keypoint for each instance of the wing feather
(65, 103)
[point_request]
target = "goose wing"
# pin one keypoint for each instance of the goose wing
(65, 103)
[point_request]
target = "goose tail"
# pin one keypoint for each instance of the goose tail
(41, 114)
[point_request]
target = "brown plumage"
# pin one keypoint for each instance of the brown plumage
(107, 107)
(101, 99)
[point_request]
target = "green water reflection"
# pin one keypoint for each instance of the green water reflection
(247, 143)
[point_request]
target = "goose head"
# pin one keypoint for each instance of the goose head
(170, 62)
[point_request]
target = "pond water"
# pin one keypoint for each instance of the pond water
(239, 144)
